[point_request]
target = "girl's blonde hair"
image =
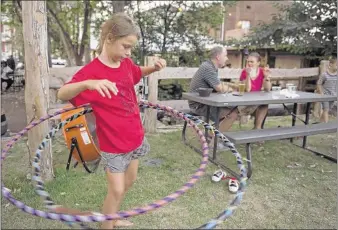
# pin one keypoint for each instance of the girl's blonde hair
(118, 26)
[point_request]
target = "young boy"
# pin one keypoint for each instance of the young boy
(107, 83)
(327, 84)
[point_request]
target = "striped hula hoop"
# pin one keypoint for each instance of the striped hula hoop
(71, 220)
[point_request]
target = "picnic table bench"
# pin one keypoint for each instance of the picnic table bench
(248, 137)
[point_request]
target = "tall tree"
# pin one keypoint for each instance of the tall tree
(195, 24)
(168, 26)
(72, 19)
(303, 27)
(34, 18)
(118, 6)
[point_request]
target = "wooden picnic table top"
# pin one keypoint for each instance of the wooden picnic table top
(255, 98)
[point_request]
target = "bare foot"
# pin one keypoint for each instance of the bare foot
(123, 223)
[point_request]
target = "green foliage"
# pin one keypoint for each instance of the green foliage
(11, 13)
(11, 16)
(173, 25)
(72, 20)
(164, 29)
(303, 27)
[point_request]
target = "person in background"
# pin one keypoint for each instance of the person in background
(5, 72)
(207, 77)
(11, 63)
(255, 78)
(327, 85)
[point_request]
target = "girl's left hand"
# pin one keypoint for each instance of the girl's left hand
(160, 64)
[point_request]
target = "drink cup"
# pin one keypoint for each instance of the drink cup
(241, 88)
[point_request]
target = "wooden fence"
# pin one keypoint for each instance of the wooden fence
(61, 75)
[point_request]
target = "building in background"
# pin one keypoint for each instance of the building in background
(240, 19)
(6, 41)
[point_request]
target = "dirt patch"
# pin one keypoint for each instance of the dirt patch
(13, 104)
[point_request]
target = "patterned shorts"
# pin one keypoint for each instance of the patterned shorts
(118, 163)
(327, 105)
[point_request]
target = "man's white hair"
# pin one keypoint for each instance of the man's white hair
(217, 50)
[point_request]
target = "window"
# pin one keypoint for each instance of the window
(244, 24)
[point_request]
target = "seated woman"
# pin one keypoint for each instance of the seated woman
(255, 78)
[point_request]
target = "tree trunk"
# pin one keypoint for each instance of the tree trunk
(118, 6)
(34, 17)
(78, 60)
(49, 56)
(70, 54)
(87, 54)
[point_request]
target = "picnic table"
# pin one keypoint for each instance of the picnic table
(219, 100)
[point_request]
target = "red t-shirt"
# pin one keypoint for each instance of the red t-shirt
(118, 123)
(257, 83)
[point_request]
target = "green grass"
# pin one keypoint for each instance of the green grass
(277, 196)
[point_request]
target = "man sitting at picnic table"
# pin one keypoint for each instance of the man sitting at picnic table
(207, 77)
(253, 76)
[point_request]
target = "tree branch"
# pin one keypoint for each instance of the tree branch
(18, 9)
(86, 21)
(64, 32)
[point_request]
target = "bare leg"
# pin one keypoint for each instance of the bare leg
(129, 179)
(324, 116)
(228, 121)
(131, 174)
(261, 112)
(115, 194)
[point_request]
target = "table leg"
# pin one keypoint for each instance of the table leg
(207, 118)
(216, 138)
(262, 127)
(294, 111)
(307, 118)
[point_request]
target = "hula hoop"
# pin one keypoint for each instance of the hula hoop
(71, 219)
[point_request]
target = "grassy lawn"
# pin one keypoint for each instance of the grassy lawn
(290, 187)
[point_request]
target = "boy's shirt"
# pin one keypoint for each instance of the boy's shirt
(329, 83)
(119, 127)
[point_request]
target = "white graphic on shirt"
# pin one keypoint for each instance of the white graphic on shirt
(128, 99)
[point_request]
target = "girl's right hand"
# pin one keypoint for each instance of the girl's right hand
(104, 87)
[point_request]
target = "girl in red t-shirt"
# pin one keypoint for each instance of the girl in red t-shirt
(107, 83)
